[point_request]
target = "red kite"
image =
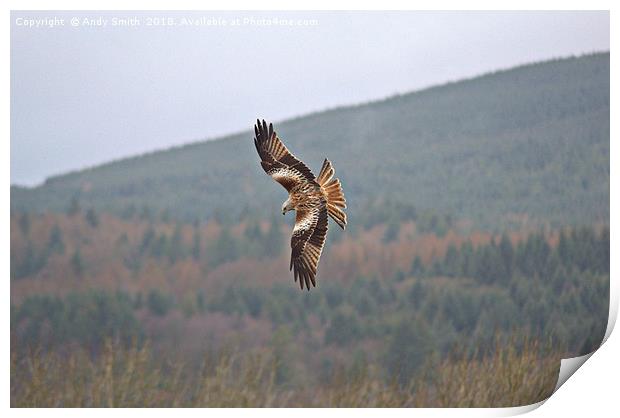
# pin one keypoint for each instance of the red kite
(311, 198)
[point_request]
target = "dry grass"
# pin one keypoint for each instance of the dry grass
(508, 377)
(132, 377)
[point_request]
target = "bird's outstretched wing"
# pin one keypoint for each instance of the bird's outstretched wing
(307, 243)
(277, 160)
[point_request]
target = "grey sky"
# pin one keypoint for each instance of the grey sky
(81, 95)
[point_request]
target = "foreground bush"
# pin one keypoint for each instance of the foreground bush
(133, 377)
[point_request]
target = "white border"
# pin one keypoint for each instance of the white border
(592, 391)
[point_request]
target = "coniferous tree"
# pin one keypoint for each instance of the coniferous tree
(24, 223)
(158, 303)
(92, 218)
(196, 244)
(451, 262)
(160, 246)
(564, 250)
(274, 239)
(55, 242)
(507, 253)
(602, 252)
(224, 248)
(145, 213)
(74, 206)
(253, 231)
(147, 240)
(31, 263)
(176, 250)
(416, 294)
(201, 304)
(417, 268)
(77, 264)
(392, 230)
(468, 260)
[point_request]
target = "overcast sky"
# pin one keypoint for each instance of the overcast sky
(83, 95)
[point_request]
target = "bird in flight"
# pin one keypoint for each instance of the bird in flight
(312, 199)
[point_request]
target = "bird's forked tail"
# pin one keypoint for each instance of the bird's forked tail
(335, 197)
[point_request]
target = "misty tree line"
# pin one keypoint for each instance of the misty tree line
(254, 243)
(33, 260)
(581, 249)
(557, 293)
(170, 248)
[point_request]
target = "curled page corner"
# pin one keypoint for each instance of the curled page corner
(569, 366)
(519, 410)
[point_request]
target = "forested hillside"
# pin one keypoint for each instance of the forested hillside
(391, 307)
(512, 148)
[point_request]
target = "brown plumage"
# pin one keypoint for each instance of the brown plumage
(313, 199)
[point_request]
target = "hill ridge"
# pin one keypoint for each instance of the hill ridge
(564, 99)
(223, 137)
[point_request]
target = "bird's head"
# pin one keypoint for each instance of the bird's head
(286, 206)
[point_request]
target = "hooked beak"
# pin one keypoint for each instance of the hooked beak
(285, 207)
